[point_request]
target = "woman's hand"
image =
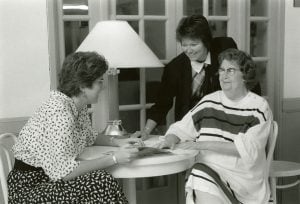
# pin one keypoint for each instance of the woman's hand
(169, 142)
(129, 142)
(126, 155)
(145, 133)
(140, 134)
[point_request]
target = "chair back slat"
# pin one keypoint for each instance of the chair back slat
(271, 145)
(7, 140)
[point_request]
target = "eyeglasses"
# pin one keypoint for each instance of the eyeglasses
(229, 71)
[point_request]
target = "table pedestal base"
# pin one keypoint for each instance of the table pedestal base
(129, 189)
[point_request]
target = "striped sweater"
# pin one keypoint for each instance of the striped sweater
(246, 124)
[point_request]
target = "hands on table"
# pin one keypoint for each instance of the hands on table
(169, 142)
(140, 134)
(130, 142)
(125, 155)
(172, 142)
(129, 149)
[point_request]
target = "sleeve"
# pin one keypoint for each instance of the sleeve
(184, 129)
(251, 145)
(62, 146)
(166, 94)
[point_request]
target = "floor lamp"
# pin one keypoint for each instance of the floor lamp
(123, 48)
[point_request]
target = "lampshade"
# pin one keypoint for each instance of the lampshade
(120, 45)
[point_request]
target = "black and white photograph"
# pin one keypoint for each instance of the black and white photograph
(149, 101)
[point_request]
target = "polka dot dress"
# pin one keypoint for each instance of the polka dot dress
(50, 142)
(36, 187)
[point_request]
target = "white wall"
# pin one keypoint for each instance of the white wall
(24, 60)
(292, 51)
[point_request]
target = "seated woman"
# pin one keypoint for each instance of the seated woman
(230, 128)
(46, 169)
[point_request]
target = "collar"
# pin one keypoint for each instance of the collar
(198, 66)
(208, 59)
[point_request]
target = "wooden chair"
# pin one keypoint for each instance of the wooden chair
(281, 169)
(7, 140)
(270, 150)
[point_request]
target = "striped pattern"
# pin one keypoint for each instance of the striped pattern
(203, 174)
(215, 120)
(230, 108)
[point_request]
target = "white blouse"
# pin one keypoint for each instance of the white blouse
(54, 136)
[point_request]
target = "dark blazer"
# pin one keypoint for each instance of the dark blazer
(177, 82)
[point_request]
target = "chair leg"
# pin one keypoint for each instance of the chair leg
(273, 189)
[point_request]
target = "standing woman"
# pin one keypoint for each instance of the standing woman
(46, 168)
(191, 75)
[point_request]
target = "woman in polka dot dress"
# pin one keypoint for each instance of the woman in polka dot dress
(46, 168)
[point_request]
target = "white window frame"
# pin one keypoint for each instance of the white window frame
(238, 14)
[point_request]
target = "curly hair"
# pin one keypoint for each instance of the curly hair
(244, 61)
(80, 70)
(194, 27)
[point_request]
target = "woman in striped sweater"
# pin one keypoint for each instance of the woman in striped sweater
(230, 129)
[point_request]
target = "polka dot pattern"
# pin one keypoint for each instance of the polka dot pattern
(52, 139)
(36, 187)
(54, 136)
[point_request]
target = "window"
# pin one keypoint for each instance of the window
(138, 87)
(73, 27)
(258, 26)
(216, 12)
(248, 22)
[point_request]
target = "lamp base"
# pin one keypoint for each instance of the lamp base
(115, 128)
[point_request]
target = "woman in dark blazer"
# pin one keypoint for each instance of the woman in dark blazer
(197, 61)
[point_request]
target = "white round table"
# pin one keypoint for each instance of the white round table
(149, 166)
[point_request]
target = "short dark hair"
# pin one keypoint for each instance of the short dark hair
(80, 70)
(244, 61)
(194, 27)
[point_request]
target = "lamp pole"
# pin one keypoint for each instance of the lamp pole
(114, 124)
(113, 93)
